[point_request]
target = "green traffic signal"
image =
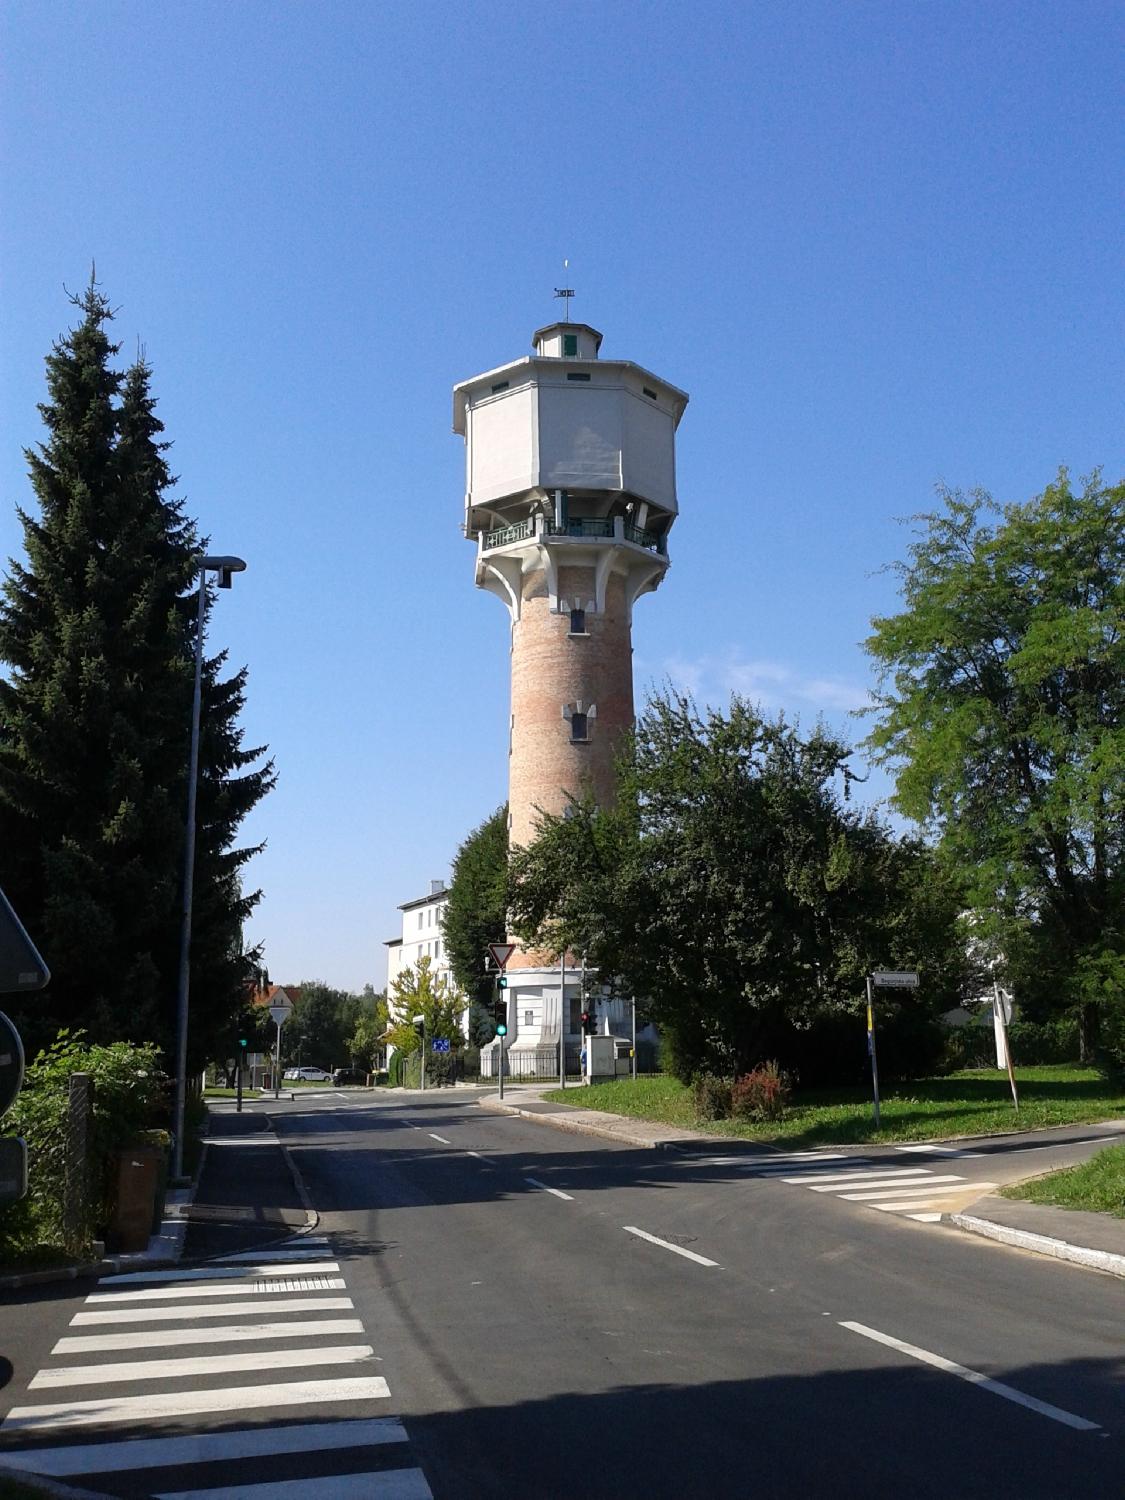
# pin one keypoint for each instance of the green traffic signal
(503, 981)
(501, 1030)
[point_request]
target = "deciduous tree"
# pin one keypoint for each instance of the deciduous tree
(1002, 689)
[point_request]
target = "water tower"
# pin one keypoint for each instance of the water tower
(570, 496)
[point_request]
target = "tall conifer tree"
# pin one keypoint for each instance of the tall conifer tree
(97, 632)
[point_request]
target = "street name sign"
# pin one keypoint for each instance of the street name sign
(895, 979)
(11, 1064)
(501, 953)
(21, 967)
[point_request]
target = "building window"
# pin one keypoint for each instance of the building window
(421, 918)
(529, 1018)
(579, 731)
(650, 394)
(501, 385)
(570, 345)
(578, 622)
(578, 376)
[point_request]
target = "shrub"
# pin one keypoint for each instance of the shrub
(761, 1094)
(130, 1096)
(711, 1096)
(394, 1071)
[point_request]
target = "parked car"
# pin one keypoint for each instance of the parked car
(311, 1075)
(349, 1075)
(291, 1073)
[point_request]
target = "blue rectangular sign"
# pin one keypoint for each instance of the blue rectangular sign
(440, 1044)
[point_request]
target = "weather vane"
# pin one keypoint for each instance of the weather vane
(566, 293)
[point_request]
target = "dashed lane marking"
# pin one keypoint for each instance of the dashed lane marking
(643, 1234)
(556, 1192)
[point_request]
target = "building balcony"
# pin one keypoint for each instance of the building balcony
(579, 528)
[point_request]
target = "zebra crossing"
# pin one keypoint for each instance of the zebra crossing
(248, 1378)
(914, 1192)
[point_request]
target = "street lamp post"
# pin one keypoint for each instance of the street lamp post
(225, 567)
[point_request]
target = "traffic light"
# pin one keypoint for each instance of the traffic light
(502, 1029)
(589, 1023)
(503, 981)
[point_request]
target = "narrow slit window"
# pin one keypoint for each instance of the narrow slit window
(501, 385)
(578, 622)
(579, 729)
(650, 394)
(578, 375)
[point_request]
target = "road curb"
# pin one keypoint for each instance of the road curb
(312, 1218)
(1041, 1244)
(575, 1126)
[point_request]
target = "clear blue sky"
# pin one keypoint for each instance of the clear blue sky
(879, 244)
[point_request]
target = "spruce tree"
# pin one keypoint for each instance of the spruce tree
(97, 635)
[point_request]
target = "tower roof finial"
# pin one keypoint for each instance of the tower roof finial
(566, 293)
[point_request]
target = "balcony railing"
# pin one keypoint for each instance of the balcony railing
(599, 528)
(581, 527)
(506, 534)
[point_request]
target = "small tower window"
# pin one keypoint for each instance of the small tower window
(570, 345)
(501, 385)
(579, 729)
(578, 622)
(650, 394)
(578, 376)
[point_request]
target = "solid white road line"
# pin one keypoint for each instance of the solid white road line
(440, 1138)
(159, 1338)
(666, 1245)
(385, 1484)
(232, 1289)
(557, 1192)
(821, 1184)
(163, 1404)
(200, 1364)
(974, 1377)
(215, 1273)
(219, 1310)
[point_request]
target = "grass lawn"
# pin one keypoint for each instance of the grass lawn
(973, 1102)
(1097, 1185)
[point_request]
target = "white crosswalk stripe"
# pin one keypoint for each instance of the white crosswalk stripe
(323, 1396)
(918, 1192)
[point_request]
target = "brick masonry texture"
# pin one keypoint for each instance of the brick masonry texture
(550, 668)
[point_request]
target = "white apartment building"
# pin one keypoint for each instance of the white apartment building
(421, 936)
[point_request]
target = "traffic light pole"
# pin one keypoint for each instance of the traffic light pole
(562, 1020)
(238, 1086)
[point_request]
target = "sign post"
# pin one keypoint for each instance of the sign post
(501, 953)
(1002, 1014)
(279, 1014)
(883, 979)
(21, 969)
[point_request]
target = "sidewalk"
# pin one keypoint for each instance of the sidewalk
(248, 1193)
(1086, 1239)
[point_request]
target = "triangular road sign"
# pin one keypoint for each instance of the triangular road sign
(501, 953)
(21, 967)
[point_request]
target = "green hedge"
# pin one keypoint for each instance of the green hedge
(130, 1097)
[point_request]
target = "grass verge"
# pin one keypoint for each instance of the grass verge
(972, 1102)
(1097, 1185)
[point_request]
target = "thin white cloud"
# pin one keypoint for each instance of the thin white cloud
(772, 684)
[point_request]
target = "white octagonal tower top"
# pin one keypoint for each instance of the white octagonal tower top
(563, 420)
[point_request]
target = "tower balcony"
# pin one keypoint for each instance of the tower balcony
(606, 544)
(577, 529)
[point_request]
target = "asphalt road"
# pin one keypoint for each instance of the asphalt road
(490, 1307)
(560, 1316)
